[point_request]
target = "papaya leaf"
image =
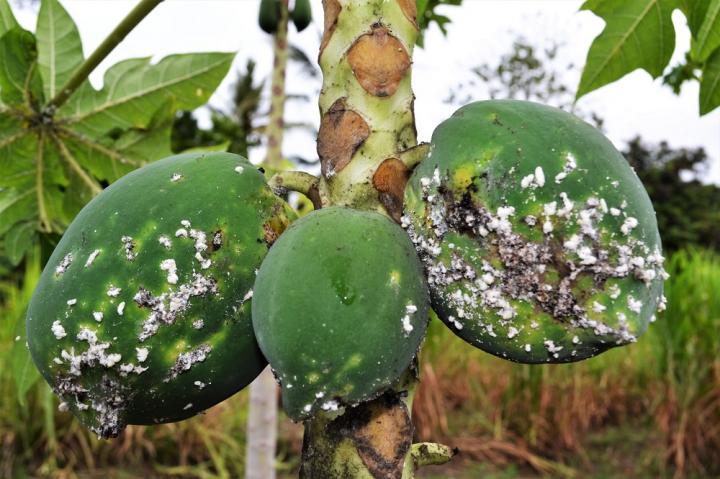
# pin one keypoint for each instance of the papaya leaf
(59, 47)
(708, 36)
(53, 161)
(710, 84)
(20, 85)
(18, 241)
(131, 101)
(637, 34)
(7, 19)
(694, 11)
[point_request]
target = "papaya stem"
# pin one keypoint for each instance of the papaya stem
(132, 20)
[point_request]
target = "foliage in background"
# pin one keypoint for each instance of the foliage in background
(640, 34)
(427, 15)
(240, 125)
(687, 209)
(55, 159)
(672, 177)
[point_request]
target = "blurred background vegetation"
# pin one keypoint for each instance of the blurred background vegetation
(650, 410)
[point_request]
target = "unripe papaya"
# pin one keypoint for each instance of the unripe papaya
(301, 14)
(539, 241)
(142, 314)
(269, 15)
(340, 308)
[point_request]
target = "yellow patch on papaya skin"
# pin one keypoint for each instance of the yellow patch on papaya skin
(395, 277)
(313, 378)
(463, 177)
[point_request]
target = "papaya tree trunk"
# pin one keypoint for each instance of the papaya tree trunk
(278, 95)
(262, 412)
(262, 428)
(367, 122)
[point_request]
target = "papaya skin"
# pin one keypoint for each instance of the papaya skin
(339, 309)
(142, 314)
(539, 241)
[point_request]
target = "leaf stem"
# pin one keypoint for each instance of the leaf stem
(95, 188)
(42, 212)
(143, 8)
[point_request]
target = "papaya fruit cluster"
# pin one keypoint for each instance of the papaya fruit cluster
(524, 229)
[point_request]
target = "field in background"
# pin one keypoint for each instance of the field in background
(650, 410)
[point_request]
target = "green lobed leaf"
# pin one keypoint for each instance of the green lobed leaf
(19, 82)
(708, 35)
(638, 34)
(59, 46)
(710, 84)
(7, 19)
(18, 241)
(694, 11)
(132, 100)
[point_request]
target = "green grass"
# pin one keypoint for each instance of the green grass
(648, 410)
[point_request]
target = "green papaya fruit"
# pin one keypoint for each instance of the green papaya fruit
(142, 314)
(301, 14)
(539, 241)
(340, 307)
(269, 15)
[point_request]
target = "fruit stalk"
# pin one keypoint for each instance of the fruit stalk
(367, 122)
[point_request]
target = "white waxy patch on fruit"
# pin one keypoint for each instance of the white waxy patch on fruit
(569, 167)
(185, 361)
(598, 308)
(528, 347)
(129, 246)
(113, 291)
(58, 330)
(458, 325)
(551, 346)
(239, 169)
(98, 316)
(91, 258)
(187, 406)
(165, 241)
(176, 177)
(575, 340)
(512, 332)
(181, 233)
(634, 305)
(171, 268)
(248, 295)
(165, 308)
(63, 407)
(199, 384)
(628, 225)
(471, 287)
(64, 264)
(72, 302)
(198, 324)
(121, 308)
(534, 180)
(410, 310)
(662, 304)
(142, 354)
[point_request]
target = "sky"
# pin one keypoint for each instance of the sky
(481, 31)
